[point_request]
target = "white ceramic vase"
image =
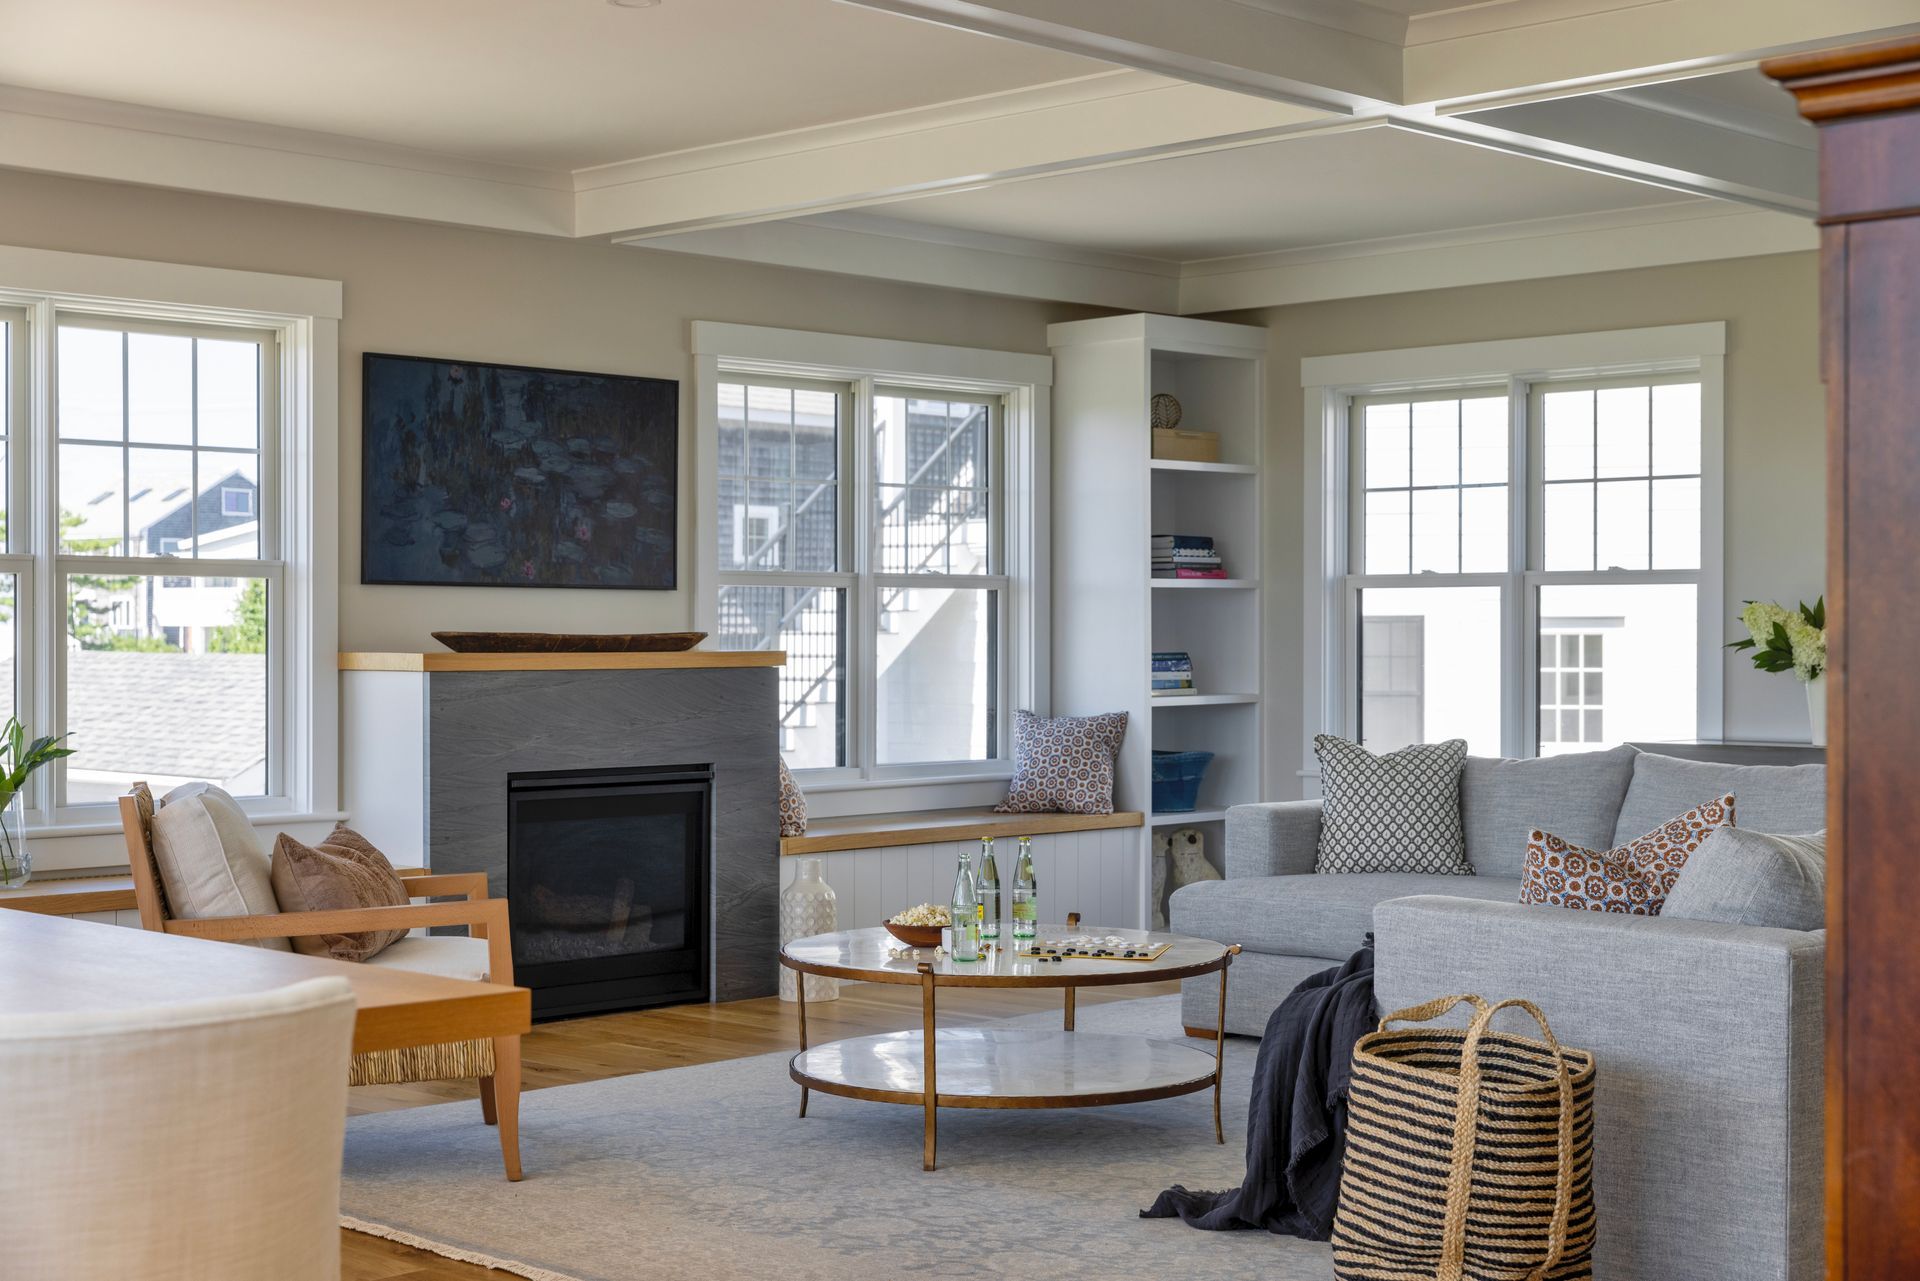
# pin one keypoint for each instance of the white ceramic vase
(808, 907)
(1817, 708)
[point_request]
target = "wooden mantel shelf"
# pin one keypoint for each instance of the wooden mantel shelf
(450, 662)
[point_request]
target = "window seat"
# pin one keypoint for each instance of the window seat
(72, 896)
(883, 831)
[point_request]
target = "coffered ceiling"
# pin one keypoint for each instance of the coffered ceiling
(1171, 154)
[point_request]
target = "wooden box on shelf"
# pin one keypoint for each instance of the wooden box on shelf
(1175, 445)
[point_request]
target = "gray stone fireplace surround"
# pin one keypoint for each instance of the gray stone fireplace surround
(482, 726)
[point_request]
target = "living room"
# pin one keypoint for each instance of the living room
(1052, 564)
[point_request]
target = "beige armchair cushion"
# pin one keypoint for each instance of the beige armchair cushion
(211, 861)
(450, 956)
(190, 1142)
(342, 872)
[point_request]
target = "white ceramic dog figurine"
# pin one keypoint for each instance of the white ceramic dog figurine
(1185, 851)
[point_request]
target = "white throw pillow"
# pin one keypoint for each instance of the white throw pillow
(211, 860)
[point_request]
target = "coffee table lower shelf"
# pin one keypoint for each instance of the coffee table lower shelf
(992, 1067)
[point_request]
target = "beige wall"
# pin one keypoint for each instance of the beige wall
(1775, 460)
(421, 289)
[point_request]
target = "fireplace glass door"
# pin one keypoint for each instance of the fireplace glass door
(607, 880)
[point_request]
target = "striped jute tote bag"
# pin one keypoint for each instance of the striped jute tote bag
(1469, 1153)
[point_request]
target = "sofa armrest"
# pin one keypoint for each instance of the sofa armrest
(1279, 838)
(1708, 1045)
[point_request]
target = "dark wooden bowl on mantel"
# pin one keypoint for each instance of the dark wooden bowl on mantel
(569, 642)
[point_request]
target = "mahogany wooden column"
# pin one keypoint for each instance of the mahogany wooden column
(1867, 104)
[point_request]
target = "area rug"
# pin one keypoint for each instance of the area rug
(707, 1172)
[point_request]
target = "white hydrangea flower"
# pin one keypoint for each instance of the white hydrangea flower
(1809, 647)
(1760, 616)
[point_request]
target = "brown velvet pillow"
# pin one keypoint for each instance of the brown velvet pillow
(343, 871)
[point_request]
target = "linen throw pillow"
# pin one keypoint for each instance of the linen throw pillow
(1063, 764)
(1634, 878)
(1738, 877)
(793, 804)
(1394, 813)
(343, 871)
(211, 861)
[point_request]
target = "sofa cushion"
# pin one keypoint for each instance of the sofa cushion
(1311, 915)
(1397, 812)
(1773, 798)
(1576, 797)
(211, 861)
(1740, 877)
(450, 956)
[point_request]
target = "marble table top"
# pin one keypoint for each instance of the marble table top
(867, 954)
(1009, 1064)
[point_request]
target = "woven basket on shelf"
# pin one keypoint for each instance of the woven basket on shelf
(1469, 1154)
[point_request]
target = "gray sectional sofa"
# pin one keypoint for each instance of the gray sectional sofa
(1708, 1036)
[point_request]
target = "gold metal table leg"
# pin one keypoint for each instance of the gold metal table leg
(1220, 1042)
(929, 1080)
(800, 994)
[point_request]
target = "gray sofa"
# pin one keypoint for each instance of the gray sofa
(1708, 1036)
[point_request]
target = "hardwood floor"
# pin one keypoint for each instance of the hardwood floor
(590, 1049)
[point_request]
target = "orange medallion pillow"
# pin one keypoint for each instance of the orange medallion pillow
(343, 871)
(1635, 878)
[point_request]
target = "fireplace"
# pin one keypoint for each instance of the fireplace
(607, 877)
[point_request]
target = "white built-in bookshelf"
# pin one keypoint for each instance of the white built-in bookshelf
(1110, 497)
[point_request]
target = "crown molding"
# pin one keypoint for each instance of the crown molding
(1581, 244)
(91, 138)
(887, 249)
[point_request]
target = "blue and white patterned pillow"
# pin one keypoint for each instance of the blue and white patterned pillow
(1063, 764)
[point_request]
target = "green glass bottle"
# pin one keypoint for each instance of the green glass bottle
(1026, 894)
(989, 892)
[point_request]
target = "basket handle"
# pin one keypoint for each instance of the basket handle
(1428, 1011)
(1453, 1246)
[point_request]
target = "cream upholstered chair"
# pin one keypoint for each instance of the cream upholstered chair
(190, 1142)
(485, 954)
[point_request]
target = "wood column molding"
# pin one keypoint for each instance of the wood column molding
(1867, 104)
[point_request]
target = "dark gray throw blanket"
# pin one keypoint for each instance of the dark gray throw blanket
(1297, 1116)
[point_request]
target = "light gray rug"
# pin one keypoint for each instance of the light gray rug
(706, 1172)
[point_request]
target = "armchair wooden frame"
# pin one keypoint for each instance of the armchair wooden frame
(485, 918)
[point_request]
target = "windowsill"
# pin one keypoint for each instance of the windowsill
(111, 827)
(928, 780)
(884, 831)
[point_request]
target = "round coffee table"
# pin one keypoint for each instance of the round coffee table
(997, 1067)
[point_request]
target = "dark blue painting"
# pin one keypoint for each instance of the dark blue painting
(502, 476)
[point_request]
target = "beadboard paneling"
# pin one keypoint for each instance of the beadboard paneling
(1096, 874)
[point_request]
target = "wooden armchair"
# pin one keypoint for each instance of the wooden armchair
(496, 1062)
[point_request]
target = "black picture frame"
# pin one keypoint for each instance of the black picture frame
(479, 474)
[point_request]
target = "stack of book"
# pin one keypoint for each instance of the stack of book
(1172, 673)
(1185, 556)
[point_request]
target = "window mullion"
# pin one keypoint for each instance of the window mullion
(863, 682)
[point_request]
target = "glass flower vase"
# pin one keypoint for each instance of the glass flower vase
(16, 865)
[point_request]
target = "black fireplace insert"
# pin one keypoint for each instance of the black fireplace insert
(607, 879)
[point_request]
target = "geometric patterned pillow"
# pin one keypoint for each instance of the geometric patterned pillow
(1063, 764)
(793, 804)
(1635, 878)
(1394, 813)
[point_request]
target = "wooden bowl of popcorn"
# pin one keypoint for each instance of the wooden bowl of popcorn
(920, 926)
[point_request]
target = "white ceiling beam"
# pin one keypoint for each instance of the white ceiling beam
(1258, 47)
(1666, 143)
(1117, 119)
(1458, 59)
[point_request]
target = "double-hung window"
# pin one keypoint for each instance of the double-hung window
(881, 529)
(859, 532)
(1523, 561)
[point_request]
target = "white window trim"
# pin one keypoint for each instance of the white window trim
(1328, 385)
(1023, 381)
(304, 315)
